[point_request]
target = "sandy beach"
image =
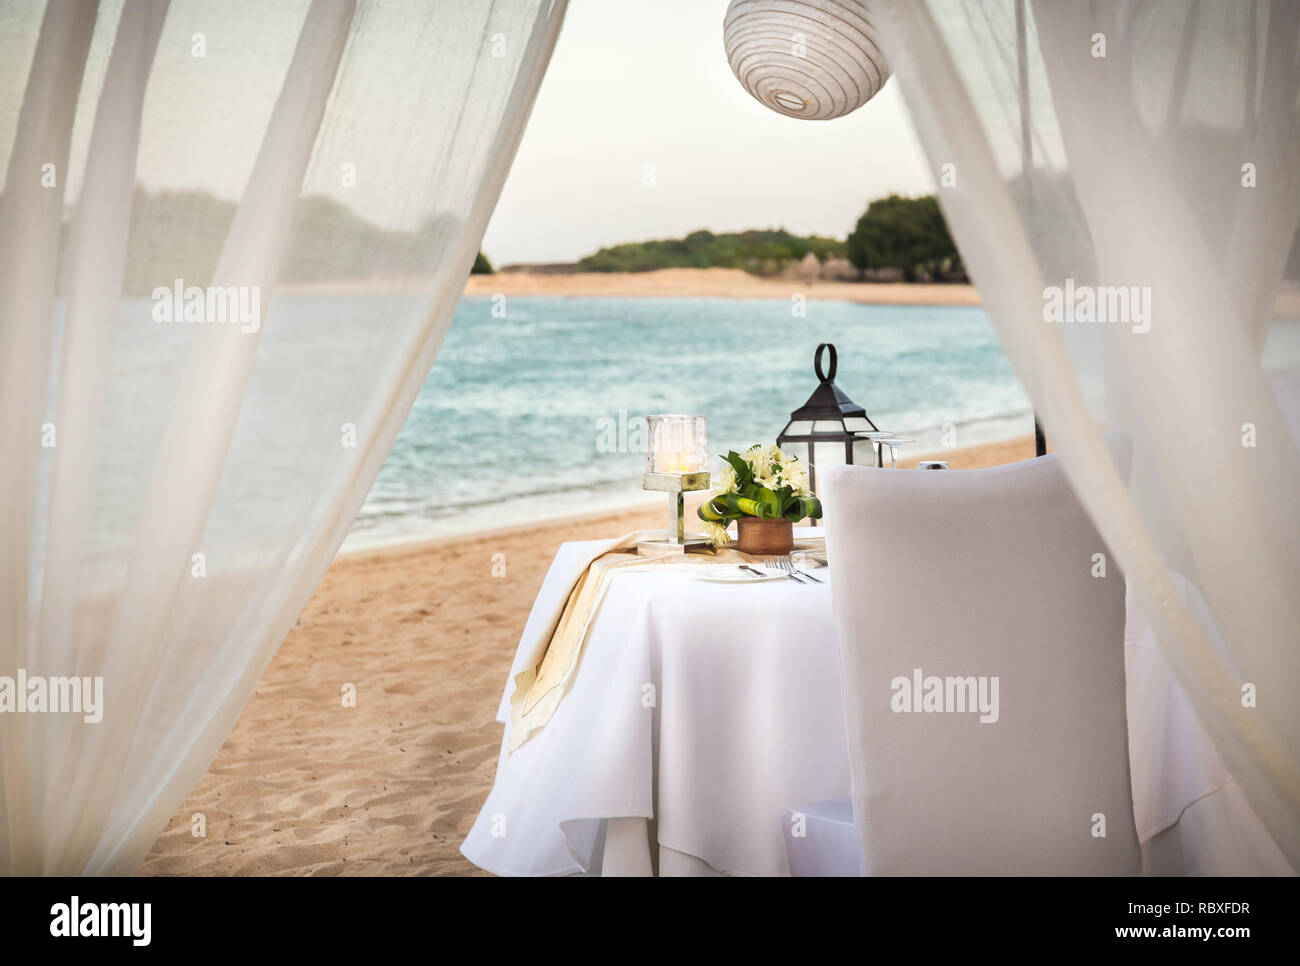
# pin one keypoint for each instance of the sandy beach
(426, 634)
(732, 283)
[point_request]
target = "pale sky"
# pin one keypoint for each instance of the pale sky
(634, 88)
(634, 83)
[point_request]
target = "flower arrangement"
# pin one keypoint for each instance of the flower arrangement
(764, 482)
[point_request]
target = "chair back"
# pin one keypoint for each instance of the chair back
(981, 636)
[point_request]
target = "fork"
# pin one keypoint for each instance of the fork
(785, 563)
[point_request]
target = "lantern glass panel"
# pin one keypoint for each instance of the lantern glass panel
(830, 453)
(799, 427)
(864, 453)
(857, 424)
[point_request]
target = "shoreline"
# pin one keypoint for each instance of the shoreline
(729, 283)
(415, 543)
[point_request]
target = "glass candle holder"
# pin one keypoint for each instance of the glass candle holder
(676, 444)
(676, 457)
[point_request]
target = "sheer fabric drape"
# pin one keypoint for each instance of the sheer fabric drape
(1154, 146)
(311, 181)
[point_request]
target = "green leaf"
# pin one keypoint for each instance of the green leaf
(712, 510)
(732, 506)
(803, 506)
(744, 475)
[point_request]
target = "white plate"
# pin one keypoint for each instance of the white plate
(732, 574)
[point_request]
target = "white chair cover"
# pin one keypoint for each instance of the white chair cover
(821, 840)
(985, 574)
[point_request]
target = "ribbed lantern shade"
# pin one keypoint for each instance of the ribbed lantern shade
(812, 59)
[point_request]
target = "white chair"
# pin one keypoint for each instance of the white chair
(981, 580)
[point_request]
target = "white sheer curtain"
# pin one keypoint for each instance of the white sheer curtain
(1156, 145)
(174, 490)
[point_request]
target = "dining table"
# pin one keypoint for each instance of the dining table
(702, 712)
(699, 712)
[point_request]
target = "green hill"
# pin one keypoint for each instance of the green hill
(760, 252)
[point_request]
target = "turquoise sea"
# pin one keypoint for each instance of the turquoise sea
(520, 413)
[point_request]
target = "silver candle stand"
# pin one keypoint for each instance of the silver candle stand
(676, 485)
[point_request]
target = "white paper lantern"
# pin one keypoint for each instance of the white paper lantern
(812, 59)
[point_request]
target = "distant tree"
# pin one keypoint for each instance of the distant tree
(908, 234)
(942, 261)
(481, 265)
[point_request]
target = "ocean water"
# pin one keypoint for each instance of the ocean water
(516, 420)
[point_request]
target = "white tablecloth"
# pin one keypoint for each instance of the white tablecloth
(700, 712)
(711, 708)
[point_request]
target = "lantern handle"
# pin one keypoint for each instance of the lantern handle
(817, 363)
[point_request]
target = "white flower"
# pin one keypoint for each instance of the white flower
(726, 482)
(764, 462)
(795, 476)
(716, 532)
(773, 468)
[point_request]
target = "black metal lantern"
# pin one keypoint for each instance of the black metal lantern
(824, 430)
